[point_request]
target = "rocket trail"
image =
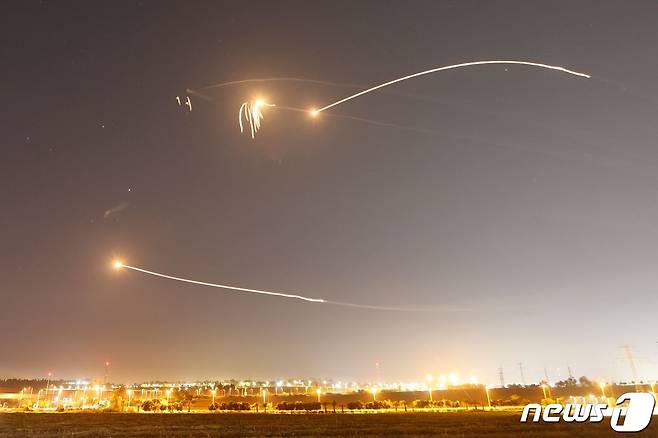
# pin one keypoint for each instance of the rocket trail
(119, 265)
(251, 111)
(449, 67)
(220, 286)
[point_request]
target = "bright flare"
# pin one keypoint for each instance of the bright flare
(252, 113)
(117, 264)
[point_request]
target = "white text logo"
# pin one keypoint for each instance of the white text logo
(634, 417)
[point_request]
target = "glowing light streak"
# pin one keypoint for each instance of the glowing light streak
(220, 286)
(118, 265)
(449, 67)
(252, 112)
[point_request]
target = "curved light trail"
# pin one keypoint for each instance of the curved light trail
(448, 67)
(119, 265)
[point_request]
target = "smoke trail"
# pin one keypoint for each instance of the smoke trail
(400, 309)
(364, 120)
(449, 67)
(197, 92)
(553, 153)
(284, 79)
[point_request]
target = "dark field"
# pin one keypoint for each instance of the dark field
(457, 424)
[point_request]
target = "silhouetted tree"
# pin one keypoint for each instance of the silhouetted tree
(584, 381)
(354, 405)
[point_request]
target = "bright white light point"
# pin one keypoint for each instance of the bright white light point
(259, 103)
(314, 112)
(118, 264)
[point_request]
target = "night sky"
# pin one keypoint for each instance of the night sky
(534, 205)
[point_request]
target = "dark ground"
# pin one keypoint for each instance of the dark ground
(457, 424)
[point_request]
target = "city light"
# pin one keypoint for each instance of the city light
(75, 394)
(602, 386)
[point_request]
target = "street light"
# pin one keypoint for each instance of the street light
(374, 393)
(97, 388)
(319, 392)
(486, 390)
(48, 386)
(130, 394)
(602, 386)
(429, 379)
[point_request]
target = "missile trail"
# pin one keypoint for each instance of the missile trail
(119, 265)
(449, 67)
